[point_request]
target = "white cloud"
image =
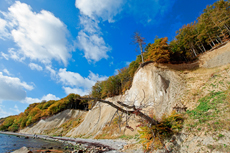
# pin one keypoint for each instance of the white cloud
(15, 55)
(9, 1)
(104, 9)
(47, 97)
(89, 25)
(3, 30)
(6, 56)
(90, 40)
(4, 113)
(127, 63)
(50, 97)
(52, 71)
(78, 91)
(12, 88)
(116, 71)
(7, 112)
(73, 79)
(6, 71)
(93, 45)
(34, 66)
(40, 36)
(15, 109)
(30, 100)
(74, 82)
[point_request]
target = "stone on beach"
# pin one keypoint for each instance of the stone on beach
(22, 150)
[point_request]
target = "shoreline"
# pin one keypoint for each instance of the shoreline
(102, 145)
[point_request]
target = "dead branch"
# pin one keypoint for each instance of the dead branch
(113, 117)
(134, 111)
(127, 106)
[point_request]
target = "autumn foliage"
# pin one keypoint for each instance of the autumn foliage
(152, 136)
(37, 111)
(158, 51)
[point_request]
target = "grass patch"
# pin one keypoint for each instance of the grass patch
(211, 113)
(126, 137)
(219, 148)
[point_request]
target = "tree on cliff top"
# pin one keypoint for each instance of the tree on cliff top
(140, 41)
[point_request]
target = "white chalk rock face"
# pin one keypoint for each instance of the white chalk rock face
(154, 88)
(53, 122)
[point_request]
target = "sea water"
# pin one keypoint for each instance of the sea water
(9, 143)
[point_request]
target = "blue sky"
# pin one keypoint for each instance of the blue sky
(50, 48)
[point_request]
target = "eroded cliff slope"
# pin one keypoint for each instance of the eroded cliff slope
(159, 88)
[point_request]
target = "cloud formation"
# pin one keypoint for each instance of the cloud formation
(91, 41)
(6, 71)
(15, 109)
(12, 88)
(39, 36)
(4, 113)
(34, 66)
(93, 45)
(90, 38)
(3, 30)
(75, 83)
(47, 97)
(99, 9)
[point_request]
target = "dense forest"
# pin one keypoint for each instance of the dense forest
(212, 28)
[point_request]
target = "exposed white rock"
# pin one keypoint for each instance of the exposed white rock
(22, 150)
(53, 122)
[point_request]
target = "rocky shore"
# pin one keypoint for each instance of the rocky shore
(75, 144)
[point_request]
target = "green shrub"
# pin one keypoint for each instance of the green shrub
(152, 136)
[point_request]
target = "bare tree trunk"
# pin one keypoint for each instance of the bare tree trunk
(227, 26)
(218, 26)
(141, 48)
(200, 48)
(203, 47)
(194, 51)
(227, 29)
(211, 40)
(219, 39)
(210, 44)
(140, 40)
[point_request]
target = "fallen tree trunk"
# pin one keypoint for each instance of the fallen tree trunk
(134, 110)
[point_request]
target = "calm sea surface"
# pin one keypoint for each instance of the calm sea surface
(10, 143)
